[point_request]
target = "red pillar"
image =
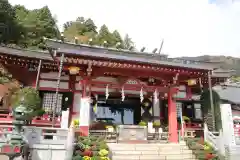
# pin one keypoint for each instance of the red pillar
(84, 88)
(172, 118)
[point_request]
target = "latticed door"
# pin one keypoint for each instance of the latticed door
(49, 100)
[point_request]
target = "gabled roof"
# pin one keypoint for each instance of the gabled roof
(123, 55)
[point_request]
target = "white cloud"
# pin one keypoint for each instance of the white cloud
(189, 27)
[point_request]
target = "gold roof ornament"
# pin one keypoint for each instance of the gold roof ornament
(192, 82)
(74, 70)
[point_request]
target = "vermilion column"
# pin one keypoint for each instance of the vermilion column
(172, 118)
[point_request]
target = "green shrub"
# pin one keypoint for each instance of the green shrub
(156, 124)
(96, 158)
(91, 146)
(142, 123)
(77, 158)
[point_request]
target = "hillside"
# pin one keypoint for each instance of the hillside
(226, 62)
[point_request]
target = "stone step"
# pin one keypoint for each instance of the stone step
(117, 145)
(154, 157)
(148, 144)
(147, 148)
(171, 152)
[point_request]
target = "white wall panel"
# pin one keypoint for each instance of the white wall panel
(53, 75)
(52, 84)
(76, 102)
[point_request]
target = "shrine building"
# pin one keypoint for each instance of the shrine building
(126, 87)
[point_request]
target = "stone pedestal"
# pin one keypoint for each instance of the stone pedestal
(132, 133)
(3, 157)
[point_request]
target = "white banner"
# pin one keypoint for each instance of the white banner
(65, 118)
(84, 117)
(227, 124)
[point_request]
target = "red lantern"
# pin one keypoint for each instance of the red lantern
(17, 149)
(74, 70)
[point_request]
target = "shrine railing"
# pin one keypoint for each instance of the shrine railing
(190, 125)
(215, 139)
(110, 137)
(36, 135)
(45, 120)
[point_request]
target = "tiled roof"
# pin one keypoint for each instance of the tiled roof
(26, 53)
(229, 93)
(124, 55)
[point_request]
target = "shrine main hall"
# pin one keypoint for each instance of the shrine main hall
(125, 87)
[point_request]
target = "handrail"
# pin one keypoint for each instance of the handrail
(216, 141)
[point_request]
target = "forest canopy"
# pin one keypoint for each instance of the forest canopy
(26, 28)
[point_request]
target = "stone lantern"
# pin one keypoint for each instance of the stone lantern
(16, 146)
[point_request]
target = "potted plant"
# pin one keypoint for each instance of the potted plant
(76, 123)
(91, 148)
(157, 126)
(186, 119)
(142, 123)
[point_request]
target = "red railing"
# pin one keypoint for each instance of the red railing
(191, 126)
(6, 118)
(45, 120)
(237, 130)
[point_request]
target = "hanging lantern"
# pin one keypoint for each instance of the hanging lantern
(123, 95)
(156, 96)
(106, 92)
(146, 104)
(74, 70)
(192, 82)
(141, 95)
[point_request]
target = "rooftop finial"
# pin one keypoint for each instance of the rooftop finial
(90, 41)
(76, 40)
(118, 45)
(105, 44)
(143, 48)
(62, 37)
(131, 48)
(155, 50)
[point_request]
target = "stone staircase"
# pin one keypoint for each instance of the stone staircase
(121, 151)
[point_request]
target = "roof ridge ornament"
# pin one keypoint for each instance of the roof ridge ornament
(90, 41)
(76, 40)
(105, 44)
(62, 37)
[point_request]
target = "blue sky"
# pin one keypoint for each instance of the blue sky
(189, 27)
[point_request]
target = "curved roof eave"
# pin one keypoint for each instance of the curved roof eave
(106, 53)
(26, 53)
